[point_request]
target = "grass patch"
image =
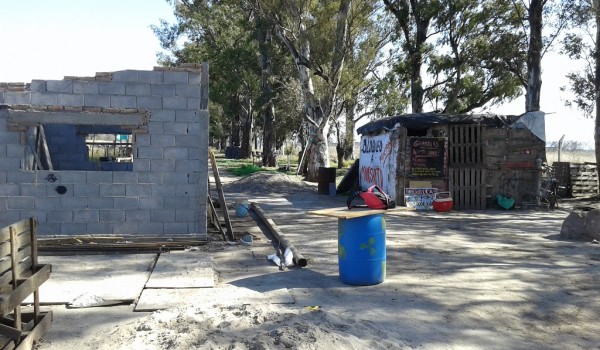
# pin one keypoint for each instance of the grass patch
(247, 169)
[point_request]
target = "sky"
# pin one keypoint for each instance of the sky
(50, 39)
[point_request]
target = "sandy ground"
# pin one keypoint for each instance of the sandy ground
(458, 280)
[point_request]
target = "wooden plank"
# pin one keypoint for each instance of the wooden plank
(24, 289)
(44, 146)
(345, 213)
(42, 326)
(222, 201)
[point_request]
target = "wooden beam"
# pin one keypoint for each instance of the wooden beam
(213, 164)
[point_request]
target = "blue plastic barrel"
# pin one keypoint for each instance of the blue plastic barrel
(361, 250)
(241, 208)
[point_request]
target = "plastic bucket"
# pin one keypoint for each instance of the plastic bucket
(241, 208)
(361, 250)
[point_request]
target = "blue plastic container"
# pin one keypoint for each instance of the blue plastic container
(361, 250)
(241, 209)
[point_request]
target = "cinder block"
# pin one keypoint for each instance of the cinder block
(101, 202)
(182, 116)
(176, 203)
(163, 115)
(85, 87)
(126, 203)
(112, 216)
(20, 177)
(2, 207)
(73, 202)
(1, 96)
(162, 140)
(126, 228)
(162, 190)
(149, 102)
(99, 177)
(142, 140)
(85, 215)
(194, 153)
(162, 90)
(195, 128)
(175, 178)
(73, 177)
(38, 86)
(60, 86)
(17, 97)
(2, 177)
(96, 100)
(21, 203)
(33, 190)
(150, 178)
(194, 79)
(137, 89)
(111, 88)
(112, 190)
(186, 90)
(73, 229)
(10, 190)
(155, 128)
(165, 215)
(176, 228)
(98, 228)
(70, 100)
(86, 190)
(187, 165)
(163, 165)
(46, 229)
(151, 228)
(125, 177)
(152, 203)
(186, 190)
(149, 153)
(190, 141)
(176, 153)
(125, 75)
(154, 77)
(10, 163)
(194, 178)
(139, 190)
(40, 215)
(193, 104)
(59, 216)
(176, 77)
(185, 214)
(175, 128)
(141, 165)
(137, 216)
(52, 190)
(123, 102)
(175, 102)
(48, 99)
(10, 217)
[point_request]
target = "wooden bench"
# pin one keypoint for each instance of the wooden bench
(20, 276)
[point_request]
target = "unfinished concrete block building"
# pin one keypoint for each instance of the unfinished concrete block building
(158, 119)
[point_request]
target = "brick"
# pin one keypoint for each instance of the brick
(72, 229)
(38, 98)
(164, 165)
(149, 153)
(85, 87)
(20, 203)
(85, 215)
(176, 77)
(140, 190)
(183, 116)
(152, 203)
(126, 228)
(96, 100)
(98, 177)
(137, 215)
(60, 86)
(20, 176)
(17, 98)
(175, 128)
(126, 203)
(151, 228)
(176, 228)
(123, 102)
(162, 90)
(38, 86)
(137, 89)
(99, 228)
(165, 215)
(175, 102)
(73, 202)
(111, 88)
(59, 216)
(112, 190)
(125, 177)
(112, 216)
(125, 75)
(86, 190)
(163, 115)
(149, 102)
(154, 77)
(162, 140)
(101, 203)
(70, 100)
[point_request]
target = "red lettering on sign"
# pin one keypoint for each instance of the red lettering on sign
(372, 175)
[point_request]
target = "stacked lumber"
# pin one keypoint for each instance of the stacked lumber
(584, 179)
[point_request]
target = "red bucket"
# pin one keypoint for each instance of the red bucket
(442, 202)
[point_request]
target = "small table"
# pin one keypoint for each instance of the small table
(361, 243)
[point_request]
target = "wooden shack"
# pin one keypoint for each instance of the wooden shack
(473, 157)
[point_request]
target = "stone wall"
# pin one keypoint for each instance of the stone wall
(163, 192)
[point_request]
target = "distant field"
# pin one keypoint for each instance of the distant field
(576, 156)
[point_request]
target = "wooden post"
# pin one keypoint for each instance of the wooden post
(213, 164)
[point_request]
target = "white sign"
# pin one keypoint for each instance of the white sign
(378, 155)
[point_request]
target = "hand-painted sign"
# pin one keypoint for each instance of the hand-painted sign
(377, 162)
(428, 157)
(420, 198)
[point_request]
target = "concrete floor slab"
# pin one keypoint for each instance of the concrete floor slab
(183, 270)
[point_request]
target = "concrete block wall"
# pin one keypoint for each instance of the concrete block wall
(165, 191)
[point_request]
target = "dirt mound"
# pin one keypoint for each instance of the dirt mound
(264, 182)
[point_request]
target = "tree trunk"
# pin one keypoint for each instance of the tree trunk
(269, 155)
(235, 130)
(534, 56)
(596, 5)
(248, 114)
